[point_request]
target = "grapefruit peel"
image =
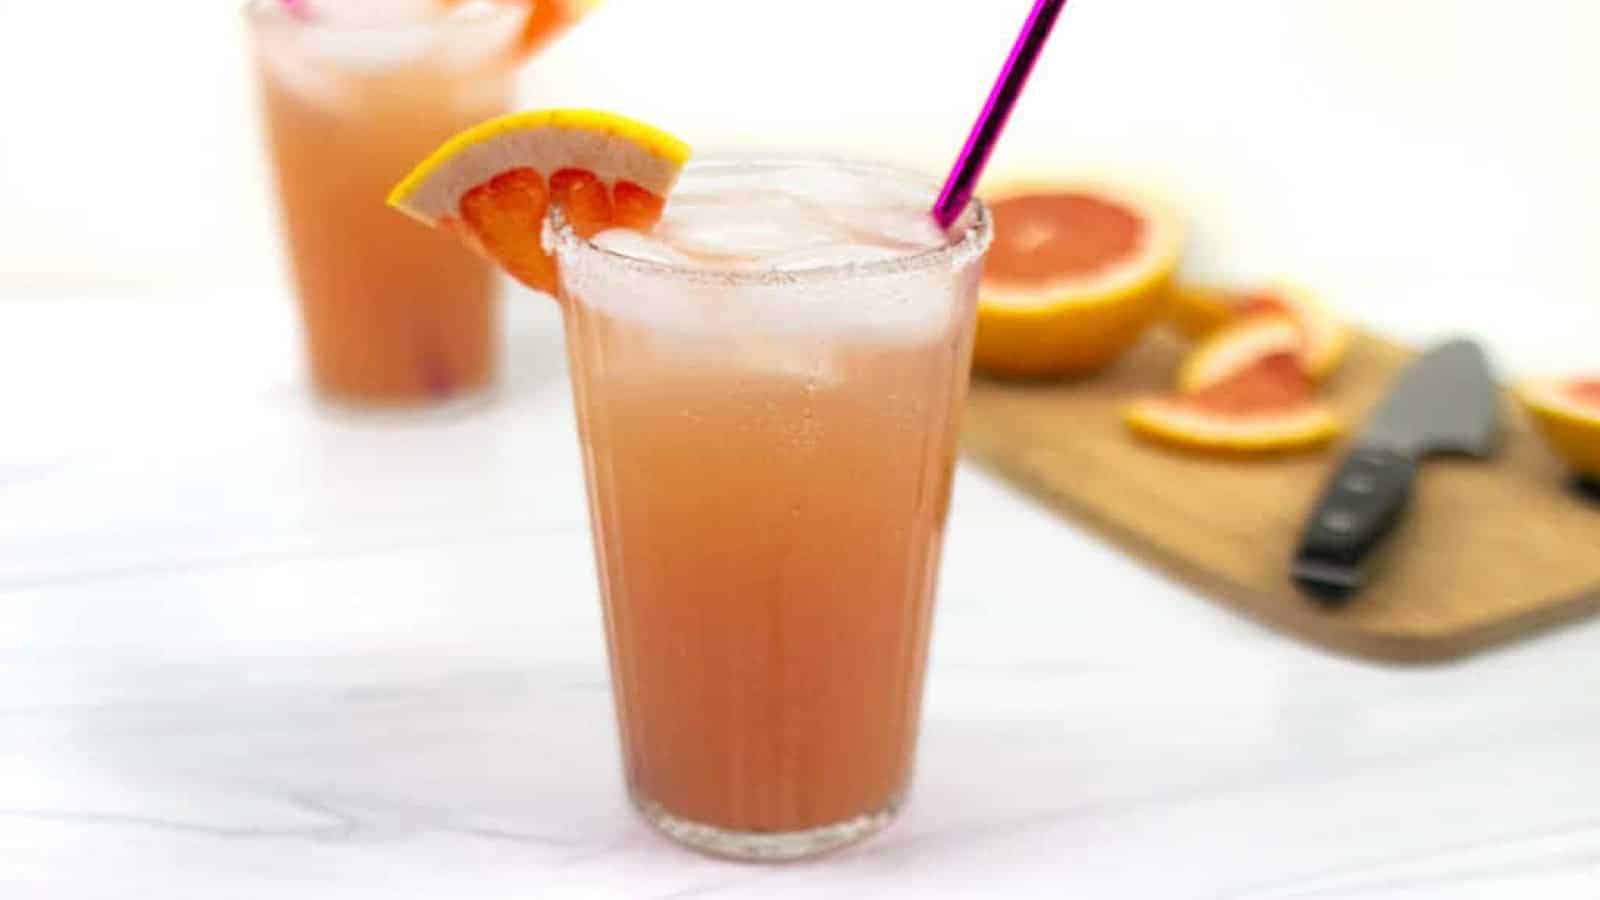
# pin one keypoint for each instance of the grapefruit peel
(1567, 414)
(1226, 352)
(1200, 311)
(1255, 397)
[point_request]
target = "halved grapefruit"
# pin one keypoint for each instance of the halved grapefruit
(1263, 407)
(492, 184)
(1567, 413)
(1076, 273)
(1202, 310)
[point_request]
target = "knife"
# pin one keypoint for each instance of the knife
(1443, 403)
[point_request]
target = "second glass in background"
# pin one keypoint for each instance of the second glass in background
(393, 314)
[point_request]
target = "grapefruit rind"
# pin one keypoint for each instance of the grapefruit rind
(1078, 325)
(1327, 336)
(1172, 422)
(1569, 427)
(615, 148)
(1233, 349)
(1200, 311)
(1197, 310)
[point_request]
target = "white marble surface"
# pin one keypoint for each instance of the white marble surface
(252, 650)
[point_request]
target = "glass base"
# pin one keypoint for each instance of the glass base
(403, 412)
(765, 846)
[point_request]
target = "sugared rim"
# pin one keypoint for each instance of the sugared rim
(271, 14)
(973, 232)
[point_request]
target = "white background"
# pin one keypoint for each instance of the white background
(1425, 163)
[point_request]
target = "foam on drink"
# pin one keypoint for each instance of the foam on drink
(750, 220)
(788, 217)
(378, 39)
(353, 96)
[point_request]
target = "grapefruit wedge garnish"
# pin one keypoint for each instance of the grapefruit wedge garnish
(549, 19)
(493, 184)
(1567, 413)
(1202, 310)
(1076, 273)
(1265, 406)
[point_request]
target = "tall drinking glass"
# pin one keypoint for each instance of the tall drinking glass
(769, 451)
(394, 315)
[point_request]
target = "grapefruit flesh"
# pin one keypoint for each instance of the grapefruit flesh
(588, 204)
(1040, 238)
(1200, 311)
(1227, 352)
(1586, 392)
(1276, 381)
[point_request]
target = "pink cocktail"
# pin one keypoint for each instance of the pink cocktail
(769, 387)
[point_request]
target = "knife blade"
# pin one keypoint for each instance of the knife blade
(1445, 402)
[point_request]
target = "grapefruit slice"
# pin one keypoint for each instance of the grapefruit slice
(1263, 407)
(1234, 349)
(1202, 310)
(1567, 413)
(492, 184)
(1076, 273)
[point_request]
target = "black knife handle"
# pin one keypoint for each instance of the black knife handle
(1358, 508)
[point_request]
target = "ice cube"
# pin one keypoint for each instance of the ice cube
(721, 182)
(715, 231)
(900, 227)
(368, 13)
(372, 36)
(369, 49)
(831, 185)
(831, 254)
(481, 29)
(751, 215)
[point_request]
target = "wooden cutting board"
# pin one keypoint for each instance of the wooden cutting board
(1488, 552)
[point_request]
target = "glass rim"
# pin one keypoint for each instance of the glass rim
(977, 230)
(271, 14)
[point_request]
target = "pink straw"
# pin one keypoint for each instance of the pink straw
(996, 110)
(297, 8)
